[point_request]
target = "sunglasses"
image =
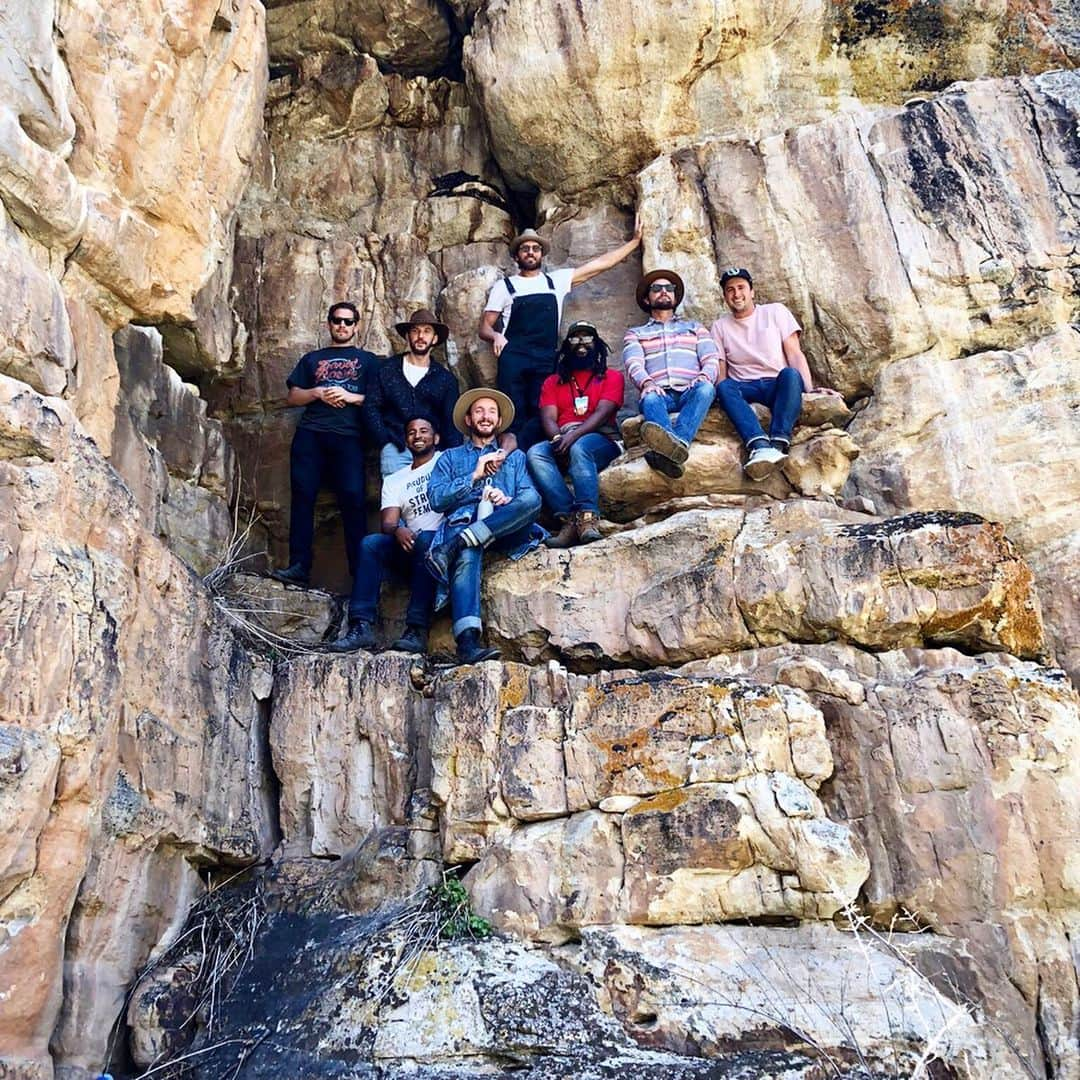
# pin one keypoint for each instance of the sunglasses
(581, 339)
(530, 249)
(657, 288)
(336, 320)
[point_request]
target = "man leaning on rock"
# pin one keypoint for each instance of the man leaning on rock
(483, 509)
(674, 364)
(762, 362)
(409, 383)
(328, 447)
(530, 305)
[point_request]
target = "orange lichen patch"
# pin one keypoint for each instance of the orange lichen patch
(515, 688)
(663, 803)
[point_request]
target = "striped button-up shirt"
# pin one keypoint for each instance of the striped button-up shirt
(670, 354)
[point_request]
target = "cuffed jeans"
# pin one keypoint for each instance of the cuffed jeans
(589, 456)
(318, 457)
(380, 553)
(782, 395)
(691, 404)
(391, 459)
(504, 528)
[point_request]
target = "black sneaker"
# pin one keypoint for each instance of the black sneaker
(663, 465)
(291, 575)
(414, 640)
(360, 635)
(471, 650)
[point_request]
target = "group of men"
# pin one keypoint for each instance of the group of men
(463, 472)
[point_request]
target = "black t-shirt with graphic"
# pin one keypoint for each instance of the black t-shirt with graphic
(346, 367)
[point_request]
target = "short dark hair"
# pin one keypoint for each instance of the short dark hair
(343, 304)
(426, 417)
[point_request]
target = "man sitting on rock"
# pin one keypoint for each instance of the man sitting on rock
(408, 526)
(328, 447)
(483, 509)
(407, 384)
(577, 413)
(674, 364)
(763, 362)
(530, 305)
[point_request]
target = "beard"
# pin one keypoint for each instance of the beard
(582, 361)
(663, 302)
(422, 349)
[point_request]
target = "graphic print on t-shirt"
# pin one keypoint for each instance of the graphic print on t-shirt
(335, 371)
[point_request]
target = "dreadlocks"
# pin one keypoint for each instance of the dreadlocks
(564, 364)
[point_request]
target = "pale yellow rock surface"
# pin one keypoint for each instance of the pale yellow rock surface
(118, 685)
(708, 581)
(995, 433)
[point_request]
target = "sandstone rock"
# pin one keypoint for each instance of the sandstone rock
(958, 775)
(709, 581)
(723, 823)
(342, 736)
(709, 987)
(409, 36)
(148, 715)
(889, 278)
(818, 466)
(749, 74)
(298, 616)
(994, 433)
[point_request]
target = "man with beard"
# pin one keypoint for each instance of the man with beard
(407, 384)
(530, 305)
(408, 526)
(328, 447)
(763, 362)
(577, 413)
(482, 510)
(674, 364)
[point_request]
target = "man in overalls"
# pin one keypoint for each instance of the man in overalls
(530, 306)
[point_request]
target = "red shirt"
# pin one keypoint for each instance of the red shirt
(609, 387)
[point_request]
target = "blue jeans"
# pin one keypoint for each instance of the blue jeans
(505, 528)
(783, 396)
(391, 459)
(589, 456)
(379, 553)
(691, 404)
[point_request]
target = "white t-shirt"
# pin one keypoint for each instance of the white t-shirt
(499, 299)
(413, 372)
(408, 488)
(754, 347)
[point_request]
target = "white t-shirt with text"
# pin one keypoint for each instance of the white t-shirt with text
(499, 299)
(408, 488)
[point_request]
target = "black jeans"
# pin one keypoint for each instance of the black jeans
(521, 376)
(325, 459)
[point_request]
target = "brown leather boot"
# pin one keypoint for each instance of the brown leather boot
(566, 537)
(588, 531)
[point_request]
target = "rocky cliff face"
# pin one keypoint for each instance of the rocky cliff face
(776, 780)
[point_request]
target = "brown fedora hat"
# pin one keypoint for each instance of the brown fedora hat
(528, 234)
(424, 317)
(649, 278)
(464, 404)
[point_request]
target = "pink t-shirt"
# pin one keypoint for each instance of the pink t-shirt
(754, 347)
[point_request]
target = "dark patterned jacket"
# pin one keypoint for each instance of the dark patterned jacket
(391, 401)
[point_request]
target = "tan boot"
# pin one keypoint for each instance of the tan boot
(566, 537)
(588, 531)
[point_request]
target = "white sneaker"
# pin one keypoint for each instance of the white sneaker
(763, 461)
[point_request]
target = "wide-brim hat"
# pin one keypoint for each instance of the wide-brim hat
(649, 278)
(464, 404)
(528, 234)
(424, 317)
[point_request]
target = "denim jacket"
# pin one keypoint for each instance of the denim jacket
(453, 492)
